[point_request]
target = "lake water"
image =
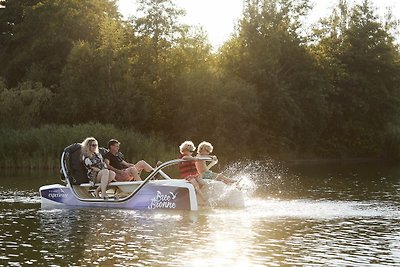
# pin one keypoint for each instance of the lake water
(305, 214)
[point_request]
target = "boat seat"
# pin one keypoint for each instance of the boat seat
(114, 183)
(122, 186)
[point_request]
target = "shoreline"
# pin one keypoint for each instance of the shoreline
(54, 165)
(337, 160)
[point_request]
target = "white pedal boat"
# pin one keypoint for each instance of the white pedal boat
(150, 194)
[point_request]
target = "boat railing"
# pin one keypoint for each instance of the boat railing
(65, 171)
(159, 170)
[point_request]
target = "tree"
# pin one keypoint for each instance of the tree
(39, 35)
(269, 53)
(97, 82)
(11, 16)
(166, 50)
(361, 65)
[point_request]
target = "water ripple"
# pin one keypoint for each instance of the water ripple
(328, 221)
(23, 197)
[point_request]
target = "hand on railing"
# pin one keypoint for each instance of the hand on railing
(214, 159)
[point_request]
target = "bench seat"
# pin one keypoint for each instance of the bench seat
(126, 187)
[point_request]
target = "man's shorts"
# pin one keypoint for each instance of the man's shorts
(123, 177)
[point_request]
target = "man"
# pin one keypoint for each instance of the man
(125, 171)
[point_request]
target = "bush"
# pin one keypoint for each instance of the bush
(391, 146)
(21, 106)
(41, 147)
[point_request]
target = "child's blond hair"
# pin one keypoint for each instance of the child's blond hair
(187, 145)
(205, 145)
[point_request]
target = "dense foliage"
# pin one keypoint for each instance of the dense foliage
(270, 90)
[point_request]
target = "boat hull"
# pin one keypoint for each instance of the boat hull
(167, 194)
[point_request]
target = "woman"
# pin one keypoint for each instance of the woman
(97, 170)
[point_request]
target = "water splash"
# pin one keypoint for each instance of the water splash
(246, 184)
(222, 195)
(253, 177)
(261, 177)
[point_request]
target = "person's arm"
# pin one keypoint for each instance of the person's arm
(96, 169)
(213, 162)
(102, 164)
(107, 161)
(188, 158)
(127, 164)
(89, 164)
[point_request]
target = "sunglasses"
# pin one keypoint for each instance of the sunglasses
(93, 145)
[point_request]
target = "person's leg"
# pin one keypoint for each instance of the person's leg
(143, 165)
(122, 176)
(104, 180)
(96, 192)
(98, 180)
(200, 181)
(133, 172)
(226, 180)
(197, 188)
(111, 176)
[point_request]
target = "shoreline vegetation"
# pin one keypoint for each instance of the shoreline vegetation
(275, 89)
(41, 148)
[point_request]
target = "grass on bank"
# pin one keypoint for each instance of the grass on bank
(40, 148)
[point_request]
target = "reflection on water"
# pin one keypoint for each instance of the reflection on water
(303, 215)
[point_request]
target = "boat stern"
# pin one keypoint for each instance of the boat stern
(54, 195)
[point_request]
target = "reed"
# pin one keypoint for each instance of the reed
(41, 147)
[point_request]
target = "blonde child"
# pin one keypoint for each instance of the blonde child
(204, 149)
(188, 168)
